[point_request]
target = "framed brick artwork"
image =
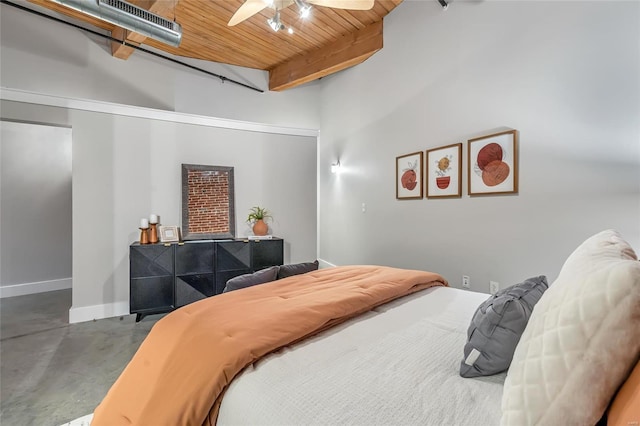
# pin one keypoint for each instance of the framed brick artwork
(207, 202)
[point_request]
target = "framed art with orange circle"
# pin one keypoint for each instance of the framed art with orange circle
(444, 172)
(492, 163)
(409, 176)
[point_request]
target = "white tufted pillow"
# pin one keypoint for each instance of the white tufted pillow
(581, 340)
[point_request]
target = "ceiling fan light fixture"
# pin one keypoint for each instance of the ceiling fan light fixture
(275, 23)
(304, 8)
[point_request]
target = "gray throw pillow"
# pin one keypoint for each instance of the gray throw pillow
(496, 328)
(297, 269)
(247, 280)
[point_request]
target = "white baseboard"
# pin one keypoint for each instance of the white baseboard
(32, 288)
(89, 313)
(324, 264)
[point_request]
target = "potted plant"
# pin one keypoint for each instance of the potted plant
(257, 217)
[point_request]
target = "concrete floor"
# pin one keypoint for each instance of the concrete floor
(52, 372)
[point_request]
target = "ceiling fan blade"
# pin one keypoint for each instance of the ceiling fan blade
(344, 4)
(246, 11)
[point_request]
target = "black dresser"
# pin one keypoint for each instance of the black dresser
(163, 277)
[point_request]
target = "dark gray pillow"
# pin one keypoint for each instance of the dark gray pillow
(297, 269)
(247, 280)
(496, 328)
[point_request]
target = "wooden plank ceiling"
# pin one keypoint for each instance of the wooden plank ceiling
(328, 41)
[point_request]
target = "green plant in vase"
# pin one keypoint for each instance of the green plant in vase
(257, 217)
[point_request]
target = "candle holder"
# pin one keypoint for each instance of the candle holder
(153, 233)
(144, 235)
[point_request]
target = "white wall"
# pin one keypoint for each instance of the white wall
(35, 225)
(566, 75)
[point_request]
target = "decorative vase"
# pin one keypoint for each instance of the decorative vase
(260, 227)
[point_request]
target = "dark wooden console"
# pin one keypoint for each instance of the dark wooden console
(164, 277)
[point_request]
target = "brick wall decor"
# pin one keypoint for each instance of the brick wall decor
(208, 201)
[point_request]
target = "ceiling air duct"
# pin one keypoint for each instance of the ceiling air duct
(130, 17)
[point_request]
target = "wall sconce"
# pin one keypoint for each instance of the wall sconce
(335, 167)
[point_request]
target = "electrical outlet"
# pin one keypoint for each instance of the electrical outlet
(494, 286)
(466, 282)
(364, 208)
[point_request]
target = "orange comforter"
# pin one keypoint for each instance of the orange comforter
(181, 370)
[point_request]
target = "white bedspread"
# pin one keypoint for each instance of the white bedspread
(397, 365)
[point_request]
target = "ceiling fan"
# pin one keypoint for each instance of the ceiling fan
(251, 7)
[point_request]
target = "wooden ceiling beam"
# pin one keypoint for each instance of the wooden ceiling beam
(121, 51)
(347, 51)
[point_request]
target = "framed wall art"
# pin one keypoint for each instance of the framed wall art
(169, 234)
(208, 202)
(444, 171)
(493, 164)
(409, 176)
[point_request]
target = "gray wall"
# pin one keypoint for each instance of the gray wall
(566, 75)
(35, 204)
(125, 168)
(43, 56)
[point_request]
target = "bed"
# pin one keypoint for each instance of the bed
(377, 345)
(386, 360)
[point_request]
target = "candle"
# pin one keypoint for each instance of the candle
(153, 218)
(144, 222)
